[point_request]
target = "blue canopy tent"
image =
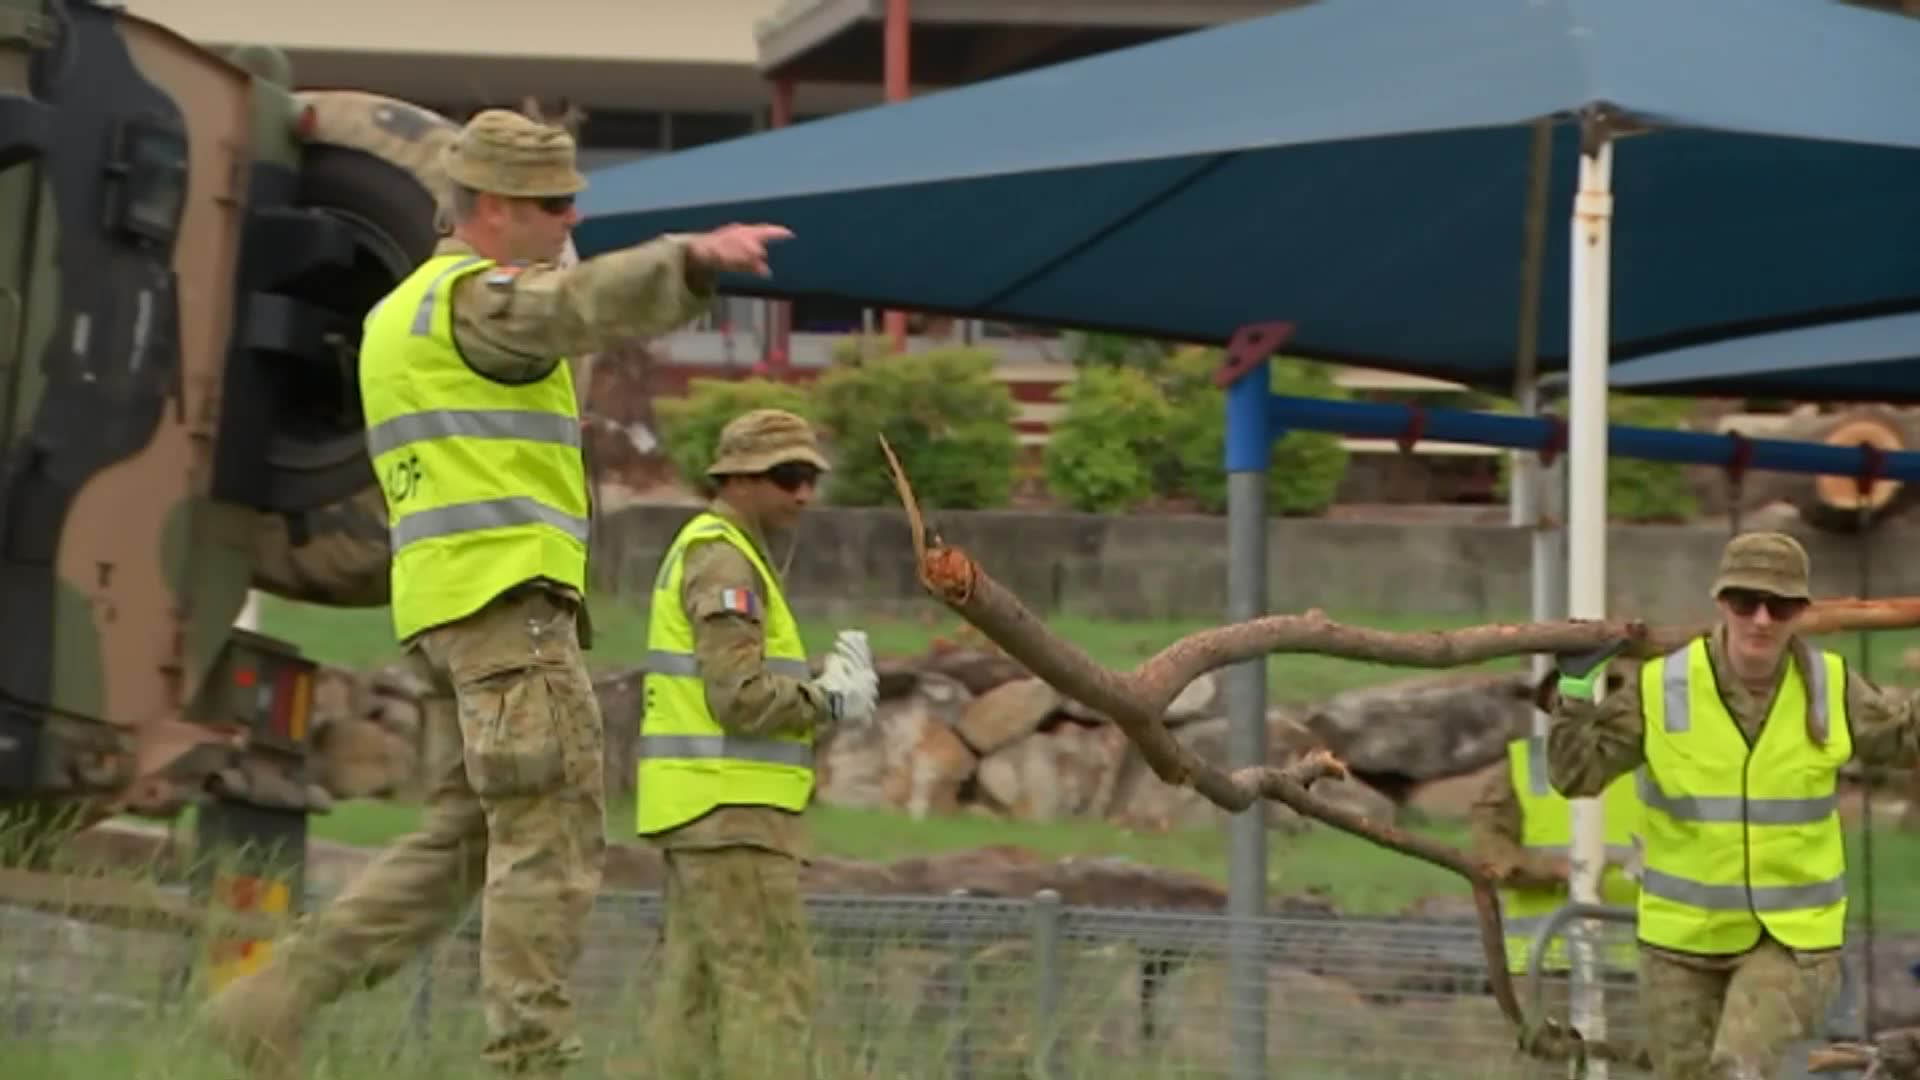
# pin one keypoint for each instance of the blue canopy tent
(1362, 170)
(1874, 359)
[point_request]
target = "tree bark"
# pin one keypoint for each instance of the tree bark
(1832, 503)
(1137, 701)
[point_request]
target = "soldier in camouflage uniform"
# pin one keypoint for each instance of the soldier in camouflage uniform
(732, 715)
(1742, 733)
(492, 611)
(1522, 843)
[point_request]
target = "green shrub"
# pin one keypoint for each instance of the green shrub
(1092, 348)
(1306, 467)
(947, 418)
(1639, 491)
(856, 349)
(1104, 453)
(1649, 490)
(690, 426)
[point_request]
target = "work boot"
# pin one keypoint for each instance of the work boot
(257, 1020)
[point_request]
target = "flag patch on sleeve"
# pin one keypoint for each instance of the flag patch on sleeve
(740, 602)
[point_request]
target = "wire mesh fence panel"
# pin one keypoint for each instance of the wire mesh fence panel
(69, 981)
(1882, 828)
(952, 988)
(1352, 999)
(943, 988)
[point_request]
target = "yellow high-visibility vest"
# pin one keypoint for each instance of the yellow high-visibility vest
(484, 481)
(689, 764)
(1547, 829)
(1743, 838)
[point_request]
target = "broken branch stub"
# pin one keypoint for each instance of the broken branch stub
(1137, 701)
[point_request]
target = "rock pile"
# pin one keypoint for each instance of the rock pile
(969, 731)
(965, 730)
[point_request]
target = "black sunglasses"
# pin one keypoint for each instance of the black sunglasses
(554, 204)
(1745, 602)
(792, 475)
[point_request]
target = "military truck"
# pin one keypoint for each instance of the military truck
(187, 250)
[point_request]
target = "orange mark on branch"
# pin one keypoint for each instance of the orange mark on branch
(950, 571)
(1324, 762)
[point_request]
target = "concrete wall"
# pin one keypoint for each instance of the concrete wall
(848, 561)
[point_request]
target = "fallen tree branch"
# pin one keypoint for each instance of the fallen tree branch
(1840, 1057)
(1137, 701)
(1893, 1054)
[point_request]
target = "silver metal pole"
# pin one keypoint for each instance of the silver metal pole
(1539, 504)
(1249, 449)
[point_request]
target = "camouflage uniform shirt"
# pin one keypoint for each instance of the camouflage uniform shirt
(514, 329)
(745, 698)
(1496, 822)
(1592, 743)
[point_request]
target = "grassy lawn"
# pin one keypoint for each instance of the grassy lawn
(1356, 875)
(363, 637)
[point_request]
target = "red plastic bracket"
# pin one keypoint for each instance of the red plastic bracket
(1873, 464)
(1416, 427)
(1556, 441)
(1741, 458)
(1250, 345)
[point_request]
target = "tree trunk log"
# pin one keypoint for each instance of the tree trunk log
(1137, 701)
(1832, 503)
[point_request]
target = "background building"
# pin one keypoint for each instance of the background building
(657, 76)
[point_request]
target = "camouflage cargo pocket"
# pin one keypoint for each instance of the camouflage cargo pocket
(510, 726)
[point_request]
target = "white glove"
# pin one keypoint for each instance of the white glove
(849, 680)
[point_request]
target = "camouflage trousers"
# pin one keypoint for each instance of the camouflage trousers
(513, 742)
(736, 986)
(1734, 1021)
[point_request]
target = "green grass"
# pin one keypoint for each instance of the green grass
(360, 638)
(1359, 876)
(1355, 875)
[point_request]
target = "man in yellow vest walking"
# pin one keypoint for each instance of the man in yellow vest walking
(474, 432)
(1521, 830)
(726, 764)
(1742, 733)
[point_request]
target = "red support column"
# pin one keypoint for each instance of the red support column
(779, 357)
(898, 71)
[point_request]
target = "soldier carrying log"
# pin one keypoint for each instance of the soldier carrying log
(1742, 733)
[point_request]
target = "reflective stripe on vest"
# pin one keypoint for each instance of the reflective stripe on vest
(1547, 829)
(688, 763)
(485, 483)
(1743, 838)
(665, 662)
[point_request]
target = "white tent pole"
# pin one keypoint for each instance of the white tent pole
(1536, 494)
(1587, 526)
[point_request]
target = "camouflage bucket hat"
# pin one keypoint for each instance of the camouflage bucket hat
(505, 153)
(1768, 562)
(757, 441)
